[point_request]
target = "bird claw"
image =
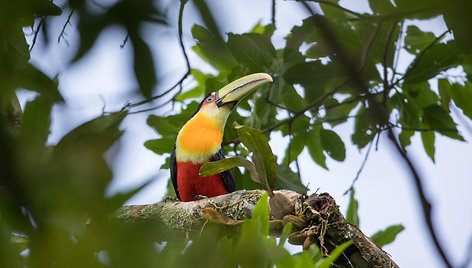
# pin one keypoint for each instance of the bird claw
(199, 197)
(171, 199)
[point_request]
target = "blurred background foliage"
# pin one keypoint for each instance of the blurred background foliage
(53, 206)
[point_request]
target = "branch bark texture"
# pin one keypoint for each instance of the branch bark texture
(315, 220)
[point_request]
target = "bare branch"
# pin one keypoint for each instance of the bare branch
(361, 167)
(36, 32)
(63, 31)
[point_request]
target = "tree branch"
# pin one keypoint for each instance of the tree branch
(315, 220)
(426, 205)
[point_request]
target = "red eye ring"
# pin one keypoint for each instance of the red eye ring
(210, 98)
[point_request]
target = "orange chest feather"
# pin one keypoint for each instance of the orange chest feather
(200, 135)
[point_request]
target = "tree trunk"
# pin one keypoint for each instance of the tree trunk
(316, 220)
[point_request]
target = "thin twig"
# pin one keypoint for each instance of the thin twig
(273, 12)
(63, 31)
(36, 32)
(361, 168)
(125, 41)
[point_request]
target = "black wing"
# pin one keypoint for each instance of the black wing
(227, 176)
(173, 172)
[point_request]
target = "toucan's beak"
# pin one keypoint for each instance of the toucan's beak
(237, 90)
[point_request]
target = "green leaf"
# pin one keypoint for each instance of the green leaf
(405, 137)
(164, 125)
(337, 113)
(314, 77)
(263, 158)
(364, 131)
(315, 147)
(96, 135)
(326, 262)
(444, 88)
(285, 233)
(216, 167)
(421, 94)
(36, 121)
(143, 66)
(289, 180)
(462, 96)
(212, 49)
(352, 214)
(160, 146)
(417, 40)
(381, 6)
(428, 138)
(438, 58)
(34, 79)
(261, 213)
(408, 110)
(332, 144)
(457, 18)
(253, 51)
(387, 236)
(435, 117)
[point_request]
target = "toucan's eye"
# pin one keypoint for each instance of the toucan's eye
(210, 98)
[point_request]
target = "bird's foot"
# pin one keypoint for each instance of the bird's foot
(171, 199)
(199, 197)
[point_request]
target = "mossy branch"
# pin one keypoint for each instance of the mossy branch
(315, 220)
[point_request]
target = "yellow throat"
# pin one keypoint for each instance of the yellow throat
(200, 138)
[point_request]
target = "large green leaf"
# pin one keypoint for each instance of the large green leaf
(337, 113)
(160, 146)
(212, 49)
(387, 236)
(333, 145)
(36, 121)
(428, 138)
(438, 58)
(215, 167)
(315, 147)
(364, 131)
(164, 125)
(417, 40)
(263, 158)
(143, 66)
(438, 119)
(462, 96)
(254, 51)
(287, 179)
(444, 88)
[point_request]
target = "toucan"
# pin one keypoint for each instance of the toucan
(199, 141)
